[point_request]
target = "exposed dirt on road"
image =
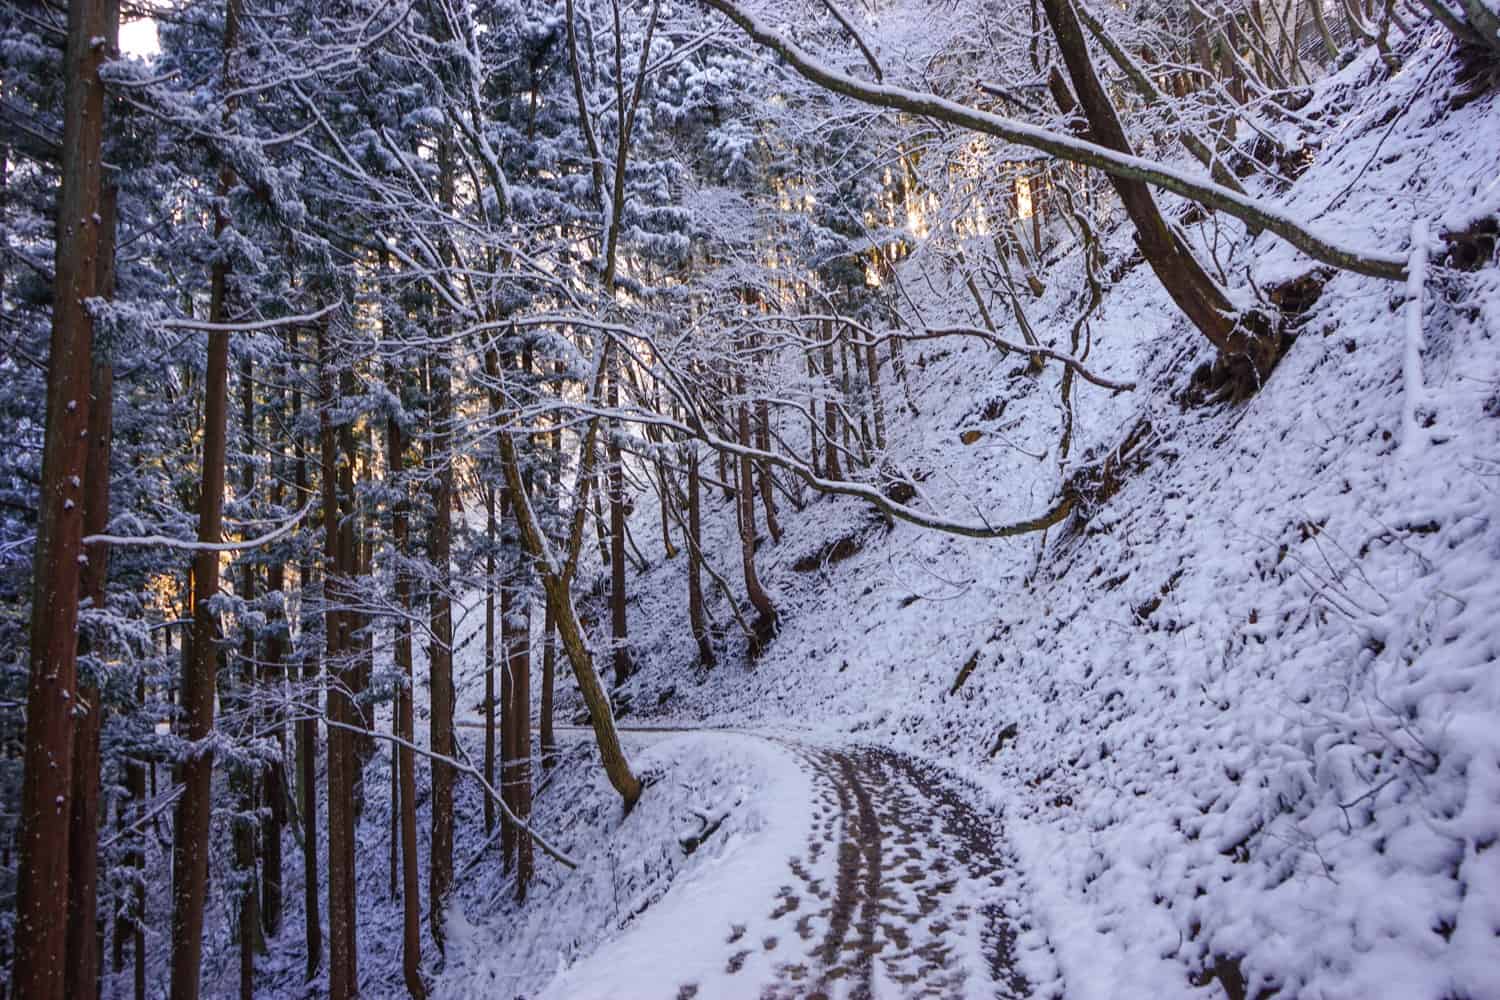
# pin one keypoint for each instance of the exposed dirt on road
(897, 894)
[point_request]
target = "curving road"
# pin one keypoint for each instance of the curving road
(900, 892)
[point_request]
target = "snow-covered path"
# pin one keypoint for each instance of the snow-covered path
(899, 893)
(893, 884)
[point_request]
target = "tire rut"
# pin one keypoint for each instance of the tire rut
(899, 886)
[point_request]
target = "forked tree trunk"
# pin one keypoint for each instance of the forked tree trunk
(47, 771)
(556, 584)
(758, 596)
(1200, 298)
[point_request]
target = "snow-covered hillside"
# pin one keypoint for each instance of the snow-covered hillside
(1241, 714)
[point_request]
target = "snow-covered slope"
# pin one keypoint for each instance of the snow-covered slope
(1242, 716)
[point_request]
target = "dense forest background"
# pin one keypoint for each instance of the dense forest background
(1096, 399)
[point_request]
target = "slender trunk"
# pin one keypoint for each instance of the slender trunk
(190, 847)
(666, 510)
(273, 682)
(601, 534)
(393, 888)
(241, 776)
(767, 487)
(489, 656)
(813, 451)
(507, 695)
(696, 618)
(518, 719)
(877, 401)
(549, 682)
(758, 596)
(619, 627)
(41, 892)
(136, 778)
(830, 407)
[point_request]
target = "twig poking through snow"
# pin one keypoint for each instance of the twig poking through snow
(1411, 363)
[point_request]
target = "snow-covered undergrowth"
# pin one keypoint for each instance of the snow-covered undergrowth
(1242, 714)
(646, 906)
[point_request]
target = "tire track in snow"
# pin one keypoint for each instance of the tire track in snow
(903, 878)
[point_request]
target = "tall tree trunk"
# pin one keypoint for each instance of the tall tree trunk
(517, 773)
(696, 617)
(242, 777)
(136, 779)
(42, 893)
(507, 697)
(440, 650)
(190, 846)
(273, 683)
(489, 655)
(411, 906)
(337, 478)
(307, 725)
(84, 929)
